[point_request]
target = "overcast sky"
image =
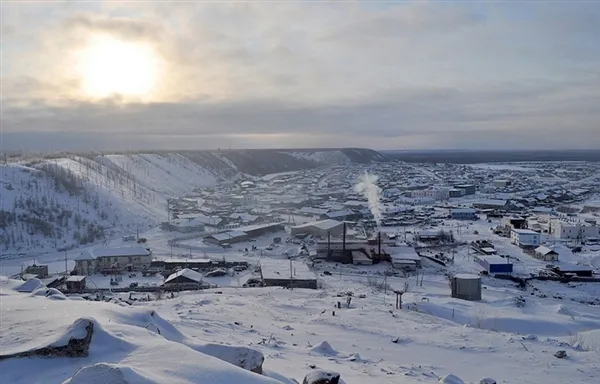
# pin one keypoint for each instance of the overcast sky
(383, 75)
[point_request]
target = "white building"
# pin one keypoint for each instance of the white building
(573, 229)
(525, 237)
(114, 259)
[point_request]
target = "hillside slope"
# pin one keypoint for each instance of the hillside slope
(71, 200)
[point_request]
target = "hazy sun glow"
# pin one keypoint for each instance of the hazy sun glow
(108, 66)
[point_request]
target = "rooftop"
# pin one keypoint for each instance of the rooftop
(187, 273)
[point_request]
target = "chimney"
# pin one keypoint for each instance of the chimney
(379, 242)
(344, 239)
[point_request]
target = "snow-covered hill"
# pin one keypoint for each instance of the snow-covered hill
(70, 200)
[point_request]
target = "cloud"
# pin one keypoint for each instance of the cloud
(330, 73)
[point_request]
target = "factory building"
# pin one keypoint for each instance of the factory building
(321, 229)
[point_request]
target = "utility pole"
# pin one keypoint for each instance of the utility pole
(291, 275)
(171, 250)
(66, 267)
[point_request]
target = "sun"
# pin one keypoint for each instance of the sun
(111, 67)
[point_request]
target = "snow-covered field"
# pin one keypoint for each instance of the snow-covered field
(432, 336)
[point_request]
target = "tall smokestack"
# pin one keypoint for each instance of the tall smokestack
(379, 242)
(344, 239)
(328, 243)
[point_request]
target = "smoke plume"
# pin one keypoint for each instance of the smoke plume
(367, 186)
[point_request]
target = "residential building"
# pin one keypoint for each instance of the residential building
(468, 188)
(455, 192)
(113, 260)
(524, 237)
(546, 254)
(565, 229)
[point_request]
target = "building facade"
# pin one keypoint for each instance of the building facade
(463, 214)
(525, 237)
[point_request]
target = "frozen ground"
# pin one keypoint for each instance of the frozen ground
(370, 342)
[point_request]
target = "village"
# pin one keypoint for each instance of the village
(299, 229)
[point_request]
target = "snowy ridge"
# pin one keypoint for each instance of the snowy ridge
(323, 157)
(70, 200)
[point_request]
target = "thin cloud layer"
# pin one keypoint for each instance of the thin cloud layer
(382, 75)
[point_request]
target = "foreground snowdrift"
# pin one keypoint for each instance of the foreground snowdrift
(118, 345)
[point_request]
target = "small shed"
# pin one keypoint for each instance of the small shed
(466, 286)
(546, 254)
(40, 271)
(75, 283)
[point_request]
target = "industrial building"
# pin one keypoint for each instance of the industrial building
(466, 287)
(524, 238)
(546, 254)
(242, 234)
(494, 264)
(322, 229)
(405, 258)
(463, 214)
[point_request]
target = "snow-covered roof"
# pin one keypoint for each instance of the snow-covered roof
(492, 259)
(463, 210)
(404, 253)
(314, 211)
(136, 250)
(342, 213)
(323, 224)
(75, 278)
(525, 232)
(543, 250)
(493, 202)
(187, 273)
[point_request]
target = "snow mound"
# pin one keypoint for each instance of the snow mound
(287, 328)
(320, 376)
(102, 373)
(355, 357)
(451, 379)
(324, 348)
(51, 293)
(240, 356)
(30, 286)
